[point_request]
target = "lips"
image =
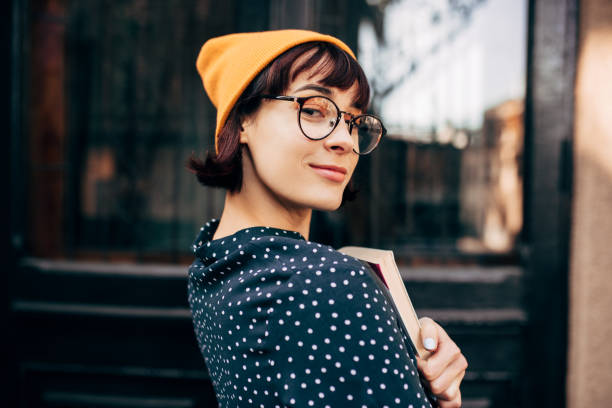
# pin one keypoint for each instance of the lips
(330, 172)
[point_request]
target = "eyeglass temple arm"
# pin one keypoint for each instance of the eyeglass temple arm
(281, 97)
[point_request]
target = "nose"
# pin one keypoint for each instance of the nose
(340, 140)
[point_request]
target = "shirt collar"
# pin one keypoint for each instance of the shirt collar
(204, 244)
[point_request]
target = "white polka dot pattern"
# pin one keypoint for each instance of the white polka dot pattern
(282, 321)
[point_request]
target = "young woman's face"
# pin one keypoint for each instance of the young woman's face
(288, 167)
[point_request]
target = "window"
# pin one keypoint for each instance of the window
(449, 82)
(115, 107)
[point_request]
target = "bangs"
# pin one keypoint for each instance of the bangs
(338, 69)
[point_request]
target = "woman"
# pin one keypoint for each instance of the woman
(282, 321)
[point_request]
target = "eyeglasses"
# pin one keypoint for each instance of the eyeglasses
(319, 116)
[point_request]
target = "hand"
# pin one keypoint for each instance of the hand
(445, 368)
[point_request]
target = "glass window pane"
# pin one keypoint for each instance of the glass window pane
(448, 79)
(116, 107)
(115, 92)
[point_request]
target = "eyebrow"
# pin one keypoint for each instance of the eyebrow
(314, 87)
(321, 89)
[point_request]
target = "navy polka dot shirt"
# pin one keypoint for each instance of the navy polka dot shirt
(285, 322)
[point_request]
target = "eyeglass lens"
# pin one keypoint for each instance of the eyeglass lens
(318, 117)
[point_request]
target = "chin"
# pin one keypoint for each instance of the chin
(327, 207)
(331, 203)
(316, 197)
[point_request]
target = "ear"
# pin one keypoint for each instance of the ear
(243, 135)
(244, 130)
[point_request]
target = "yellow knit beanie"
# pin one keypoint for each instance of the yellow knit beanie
(227, 64)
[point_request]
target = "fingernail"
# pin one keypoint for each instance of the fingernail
(429, 343)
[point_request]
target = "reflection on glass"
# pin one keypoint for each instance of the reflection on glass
(448, 80)
(137, 110)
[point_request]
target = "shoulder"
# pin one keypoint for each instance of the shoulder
(306, 275)
(320, 284)
(307, 262)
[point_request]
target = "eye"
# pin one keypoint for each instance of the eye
(314, 110)
(317, 109)
(313, 113)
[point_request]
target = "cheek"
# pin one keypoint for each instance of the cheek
(354, 161)
(351, 166)
(279, 153)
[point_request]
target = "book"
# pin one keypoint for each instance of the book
(383, 264)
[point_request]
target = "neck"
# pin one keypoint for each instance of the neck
(256, 205)
(248, 209)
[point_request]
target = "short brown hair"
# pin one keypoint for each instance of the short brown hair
(340, 70)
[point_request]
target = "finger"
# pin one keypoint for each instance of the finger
(420, 363)
(446, 353)
(455, 403)
(446, 387)
(429, 333)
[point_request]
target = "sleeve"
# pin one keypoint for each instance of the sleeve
(338, 342)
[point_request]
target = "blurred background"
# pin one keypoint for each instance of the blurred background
(493, 188)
